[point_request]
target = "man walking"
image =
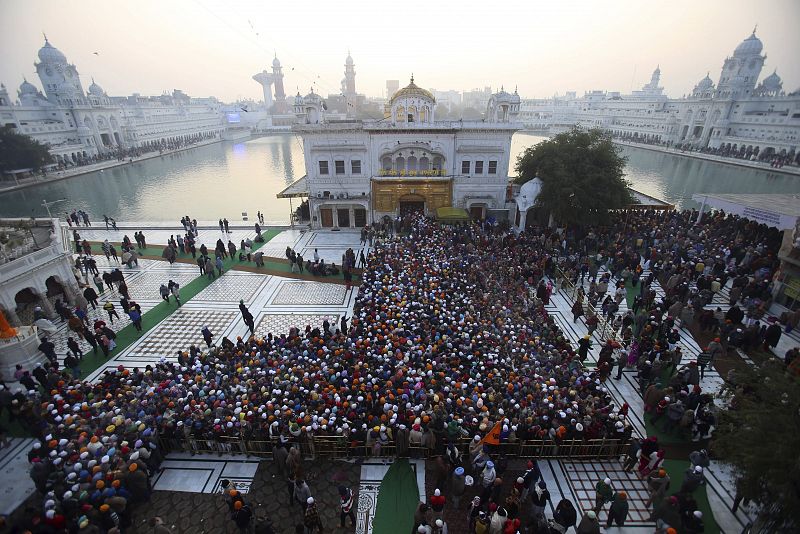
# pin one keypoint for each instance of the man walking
(207, 335)
(604, 494)
(247, 317)
(346, 496)
(618, 512)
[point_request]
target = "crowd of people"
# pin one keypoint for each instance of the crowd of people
(449, 341)
(746, 152)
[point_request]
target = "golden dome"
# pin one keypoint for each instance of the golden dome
(413, 90)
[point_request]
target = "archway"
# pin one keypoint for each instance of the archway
(411, 203)
(57, 289)
(26, 300)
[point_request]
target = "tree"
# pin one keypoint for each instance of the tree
(759, 435)
(582, 174)
(18, 151)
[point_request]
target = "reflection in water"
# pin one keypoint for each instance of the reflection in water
(225, 179)
(675, 178)
(219, 180)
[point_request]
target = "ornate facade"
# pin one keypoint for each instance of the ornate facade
(736, 114)
(360, 171)
(77, 124)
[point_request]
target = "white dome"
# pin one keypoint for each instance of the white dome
(773, 81)
(50, 54)
(95, 89)
(275, 63)
(27, 88)
(752, 46)
(704, 84)
(349, 60)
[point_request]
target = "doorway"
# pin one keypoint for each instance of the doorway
(344, 217)
(360, 217)
(476, 213)
(326, 214)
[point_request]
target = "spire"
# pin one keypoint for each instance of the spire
(412, 77)
(502, 88)
(515, 89)
(45, 38)
(754, 30)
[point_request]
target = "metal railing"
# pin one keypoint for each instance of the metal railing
(340, 447)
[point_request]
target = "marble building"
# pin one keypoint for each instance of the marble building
(76, 124)
(359, 171)
(738, 112)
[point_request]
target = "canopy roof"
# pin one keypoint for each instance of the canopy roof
(298, 188)
(778, 211)
(450, 213)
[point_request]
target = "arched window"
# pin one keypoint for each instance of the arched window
(400, 164)
(412, 114)
(437, 163)
(412, 163)
(424, 163)
(386, 163)
(400, 114)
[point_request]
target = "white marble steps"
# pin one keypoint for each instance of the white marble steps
(203, 473)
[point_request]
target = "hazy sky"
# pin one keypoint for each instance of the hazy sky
(207, 47)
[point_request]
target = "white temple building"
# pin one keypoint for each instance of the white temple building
(360, 171)
(77, 124)
(737, 114)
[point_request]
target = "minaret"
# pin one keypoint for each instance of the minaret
(277, 76)
(350, 84)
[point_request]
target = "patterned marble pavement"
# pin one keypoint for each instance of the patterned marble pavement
(313, 293)
(179, 331)
(281, 323)
(232, 287)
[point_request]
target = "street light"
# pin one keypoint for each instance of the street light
(47, 205)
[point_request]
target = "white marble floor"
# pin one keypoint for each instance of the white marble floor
(204, 474)
(14, 467)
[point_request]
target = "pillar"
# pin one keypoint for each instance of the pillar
(352, 217)
(523, 215)
(47, 306)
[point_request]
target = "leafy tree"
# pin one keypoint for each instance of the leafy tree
(581, 173)
(759, 435)
(18, 151)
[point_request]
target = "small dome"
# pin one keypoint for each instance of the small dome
(95, 89)
(27, 88)
(349, 60)
(276, 63)
(50, 54)
(704, 84)
(773, 81)
(752, 46)
(298, 99)
(312, 97)
(412, 90)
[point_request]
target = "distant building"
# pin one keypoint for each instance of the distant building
(77, 124)
(477, 98)
(360, 171)
(736, 115)
(392, 86)
(448, 99)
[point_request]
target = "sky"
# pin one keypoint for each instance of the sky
(208, 47)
